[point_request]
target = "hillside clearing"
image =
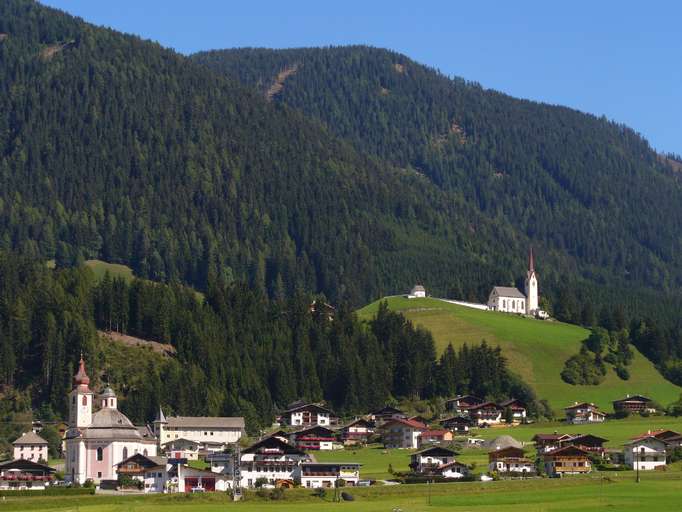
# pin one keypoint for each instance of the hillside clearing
(535, 349)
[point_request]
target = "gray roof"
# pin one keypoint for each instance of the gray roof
(108, 393)
(30, 438)
(509, 291)
(418, 288)
(206, 422)
(504, 442)
(108, 424)
(160, 417)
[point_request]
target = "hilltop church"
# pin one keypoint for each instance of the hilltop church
(510, 300)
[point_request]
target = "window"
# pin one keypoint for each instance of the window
(73, 400)
(85, 399)
(145, 452)
(125, 452)
(99, 474)
(100, 453)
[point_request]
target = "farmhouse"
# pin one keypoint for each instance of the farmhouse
(517, 408)
(586, 442)
(441, 436)
(634, 404)
(387, 413)
(357, 431)
(306, 415)
(583, 412)
(151, 471)
(569, 460)
(461, 404)
(645, 453)
(30, 446)
(548, 442)
(314, 438)
(457, 424)
(486, 413)
(328, 474)
(428, 459)
(181, 449)
(510, 461)
(23, 474)
(211, 433)
(399, 433)
(272, 459)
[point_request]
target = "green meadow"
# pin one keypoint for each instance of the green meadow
(99, 268)
(535, 349)
(656, 492)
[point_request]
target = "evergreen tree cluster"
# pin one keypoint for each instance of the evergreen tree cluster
(237, 352)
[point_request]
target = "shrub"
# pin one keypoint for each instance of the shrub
(623, 372)
(277, 494)
(260, 482)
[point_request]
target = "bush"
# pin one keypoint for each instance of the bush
(52, 491)
(623, 372)
(277, 494)
(260, 482)
(89, 484)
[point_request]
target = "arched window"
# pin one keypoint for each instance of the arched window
(145, 452)
(85, 399)
(125, 452)
(100, 453)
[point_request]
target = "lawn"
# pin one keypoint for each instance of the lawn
(375, 460)
(100, 268)
(535, 349)
(656, 492)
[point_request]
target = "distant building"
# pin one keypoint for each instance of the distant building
(646, 453)
(314, 438)
(510, 461)
(275, 460)
(583, 412)
(327, 474)
(517, 408)
(398, 433)
(387, 413)
(436, 437)
(634, 404)
(151, 471)
(569, 460)
(22, 474)
(458, 424)
(307, 415)
(212, 433)
(181, 448)
(511, 300)
(30, 446)
(357, 431)
(487, 413)
(429, 459)
(462, 403)
(418, 291)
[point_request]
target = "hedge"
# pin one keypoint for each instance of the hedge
(51, 491)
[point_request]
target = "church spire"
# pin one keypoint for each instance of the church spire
(81, 378)
(531, 260)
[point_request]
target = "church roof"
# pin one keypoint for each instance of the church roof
(206, 421)
(30, 438)
(108, 393)
(509, 291)
(81, 378)
(108, 424)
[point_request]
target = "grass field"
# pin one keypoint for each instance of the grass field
(535, 349)
(100, 267)
(656, 492)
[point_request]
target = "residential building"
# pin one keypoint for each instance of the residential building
(212, 433)
(307, 415)
(568, 460)
(645, 453)
(357, 431)
(24, 474)
(548, 442)
(428, 459)
(453, 470)
(583, 412)
(436, 437)
(461, 404)
(399, 433)
(486, 413)
(587, 442)
(457, 424)
(327, 474)
(517, 408)
(386, 413)
(510, 461)
(150, 470)
(181, 449)
(634, 404)
(97, 441)
(313, 438)
(30, 446)
(276, 461)
(188, 479)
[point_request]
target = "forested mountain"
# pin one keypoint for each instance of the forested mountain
(116, 148)
(589, 192)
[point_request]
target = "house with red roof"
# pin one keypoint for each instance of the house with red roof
(399, 433)
(434, 437)
(569, 460)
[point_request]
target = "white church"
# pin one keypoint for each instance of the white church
(511, 300)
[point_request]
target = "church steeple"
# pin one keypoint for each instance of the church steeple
(531, 260)
(80, 406)
(532, 302)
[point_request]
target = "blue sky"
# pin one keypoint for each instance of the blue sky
(616, 58)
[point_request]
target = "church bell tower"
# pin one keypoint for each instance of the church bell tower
(532, 304)
(80, 399)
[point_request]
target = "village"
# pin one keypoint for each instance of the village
(179, 454)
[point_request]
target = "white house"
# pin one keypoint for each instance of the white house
(517, 408)
(584, 412)
(181, 449)
(23, 474)
(428, 459)
(30, 446)
(212, 433)
(313, 438)
(645, 452)
(275, 460)
(150, 470)
(510, 460)
(326, 474)
(417, 292)
(398, 433)
(306, 415)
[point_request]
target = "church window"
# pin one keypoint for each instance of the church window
(125, 452)
(504, 303)
(100, 453)
(145, 452)
(85, 400)
(73, 400)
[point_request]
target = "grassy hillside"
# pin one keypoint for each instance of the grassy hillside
(536, 350)
(100, 267)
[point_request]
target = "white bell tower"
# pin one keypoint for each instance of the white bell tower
(532, 301)
(80, 399)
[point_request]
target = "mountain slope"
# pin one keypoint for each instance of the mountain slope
(114, 148)
(592, 194)
(536, 350)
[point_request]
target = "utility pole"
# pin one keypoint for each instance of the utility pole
(637, 462)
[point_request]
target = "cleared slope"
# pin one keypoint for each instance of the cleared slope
(535, 349)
